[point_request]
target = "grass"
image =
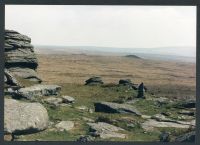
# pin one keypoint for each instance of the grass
(86, 96)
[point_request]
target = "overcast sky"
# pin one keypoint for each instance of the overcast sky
(110, 26)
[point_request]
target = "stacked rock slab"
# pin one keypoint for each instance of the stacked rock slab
(20, 59)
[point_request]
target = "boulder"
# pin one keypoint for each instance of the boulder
(109, 107)
(64, 125)
(23, 118)
(68, 99)
(94, 81)
(38, 91)
(187, 137)
(105, 130)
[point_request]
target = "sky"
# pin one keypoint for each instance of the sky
(108, 26)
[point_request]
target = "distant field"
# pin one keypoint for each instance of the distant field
(168, 79)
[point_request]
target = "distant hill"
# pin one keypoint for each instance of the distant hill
(133, 56)
(164, 53)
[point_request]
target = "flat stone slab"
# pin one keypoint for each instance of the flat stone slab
(151, 123)
(53, 101)
(105, 130)
(23, 118)
(38, 91)
(65, 125)
(109, 107)
(68, 99)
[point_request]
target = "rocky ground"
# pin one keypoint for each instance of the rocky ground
(92, 111)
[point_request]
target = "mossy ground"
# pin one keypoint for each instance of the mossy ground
(87, 96)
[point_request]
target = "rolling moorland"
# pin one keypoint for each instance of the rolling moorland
(103, 108)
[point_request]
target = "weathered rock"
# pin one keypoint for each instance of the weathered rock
(65, 125)
(11, 79)
(187, 112)
(8, 137)
(187, 104)
(105, 130)
(187, 137)
(164, 137)
(88, 119)
(109, 107)
(94, 81)
(20, 58)
(125, 82)
(17, 36)
(22, 118)
(141, 91)
(151, 123)
(68, 99)
(25, 73)
(85, 138)
(83, 108)
(53, 101)
(38, 91)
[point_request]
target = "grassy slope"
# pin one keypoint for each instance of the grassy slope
(86, 96)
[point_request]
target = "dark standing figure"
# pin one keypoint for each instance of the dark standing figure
(141, 91)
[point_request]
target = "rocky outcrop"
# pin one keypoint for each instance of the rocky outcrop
(20, 58)
(109, 107)
(105, 130)
(23, 118)
(38, 91)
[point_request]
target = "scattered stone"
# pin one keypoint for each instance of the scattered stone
(187, 112)
(85, 138)
(141, 91)
(68, 99)
(8, 137)
(22, 118)
(83, 108)
(65, 125)
(125, 82)
(187, 137)
(186, 104)
(88, 119)
(38, 91)
(53, 101)
(105, 130)
(164, 137)
(109, 107)
(90, 110)
(94, 81)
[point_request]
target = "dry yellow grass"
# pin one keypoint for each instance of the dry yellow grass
(68, 68)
